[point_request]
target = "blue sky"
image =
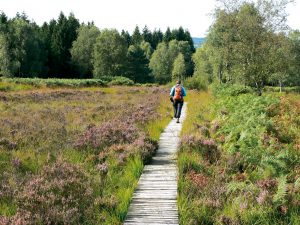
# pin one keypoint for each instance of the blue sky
(194, 15)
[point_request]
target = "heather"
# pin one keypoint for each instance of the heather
(239, 158)
(73, 156)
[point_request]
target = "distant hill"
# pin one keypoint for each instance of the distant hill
(198, 41)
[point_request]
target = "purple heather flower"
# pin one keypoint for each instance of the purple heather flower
(209, 142)
(262, 197)
(16, 162)
(122, 157)
(102, 168)
(243, 206)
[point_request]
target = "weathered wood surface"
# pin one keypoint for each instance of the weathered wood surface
(155, 199)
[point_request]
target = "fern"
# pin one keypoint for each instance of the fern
(234, 186)
(285, 156)
(297, 183)
(281, 193)
(276, 164)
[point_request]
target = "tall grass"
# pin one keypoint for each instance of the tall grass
(198, 113)
(198, 109)
(156, 127)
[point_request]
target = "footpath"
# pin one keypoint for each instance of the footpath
(155, 198)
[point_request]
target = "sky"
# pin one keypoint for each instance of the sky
(194, 15)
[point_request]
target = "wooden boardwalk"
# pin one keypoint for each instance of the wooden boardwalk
(155, 199)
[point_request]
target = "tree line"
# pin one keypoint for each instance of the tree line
(249, 43)
(66, 48)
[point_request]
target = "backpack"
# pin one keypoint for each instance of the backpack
(178, 93)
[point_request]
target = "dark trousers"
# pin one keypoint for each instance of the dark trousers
(177, 104)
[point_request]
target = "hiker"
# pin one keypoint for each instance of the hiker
(176, 96)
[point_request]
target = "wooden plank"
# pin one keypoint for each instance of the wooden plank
(152, 220)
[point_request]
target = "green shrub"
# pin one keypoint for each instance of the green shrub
(295, 89)
(150, 85)
(196, 82)
(53, 82)
(230, 89)
(121, 81)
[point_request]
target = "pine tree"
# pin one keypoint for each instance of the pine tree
(127, 37)
(147, 35)
(157, 37)
(178, 34)
(136, 37)
(137, 65)
(189, 39)
(63, 34)
(167, 36)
